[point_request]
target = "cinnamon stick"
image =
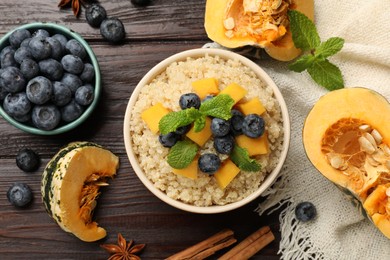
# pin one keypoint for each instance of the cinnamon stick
(206, 247)
(250, 245)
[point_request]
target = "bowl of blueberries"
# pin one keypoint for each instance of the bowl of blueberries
(49, 78)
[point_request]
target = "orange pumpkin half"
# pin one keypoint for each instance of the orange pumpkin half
(265, 24)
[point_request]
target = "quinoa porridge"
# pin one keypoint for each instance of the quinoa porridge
(167, 88)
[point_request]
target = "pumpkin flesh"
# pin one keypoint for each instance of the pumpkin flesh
(75, 187)
(338, 137)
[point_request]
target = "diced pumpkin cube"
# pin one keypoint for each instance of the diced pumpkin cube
(226, 173)
(191, 171)
(235, 91)
(204, 87)
(153, 115)
(253, 106)
(200, 138)
(255, 146)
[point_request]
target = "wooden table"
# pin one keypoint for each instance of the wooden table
(126, 206)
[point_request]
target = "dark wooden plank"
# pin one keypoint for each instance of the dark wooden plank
(160, 20)
(126, 206)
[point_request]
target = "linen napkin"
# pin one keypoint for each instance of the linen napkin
(339, 231)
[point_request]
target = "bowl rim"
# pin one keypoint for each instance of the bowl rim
(70, 34)
(160, 67)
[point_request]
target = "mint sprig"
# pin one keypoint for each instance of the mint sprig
(219, 106)
(315, 60)
(173, 120)
(182, 154)
(240, 157)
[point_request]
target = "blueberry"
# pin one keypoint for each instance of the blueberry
(220, 127)
(12, 79)
(51, 69)
(112, 30)
(8, 60)
(305, 211)
(84, 95)
(21, 54)
(183, 129)
(19, 195)
(72, 64)
(29, 69)
(40, 48)
(25, 42)
(27, 160)
(74, 47)
(61, 94)
(169, 139)
(17, 37)
(208, 97)
(3, 93)
(39, 90)
(140, 2)
(189, 100)
(209, 163)
(41, 33)
(71, 111)
(72, 81)
(23, 118)
(61, 38)
(236, 122)
(88, 73)
(253, 126)
(6, 50)
(46, 117)
(95, 14)
(224, 144)
(17, 104)
(57, 50)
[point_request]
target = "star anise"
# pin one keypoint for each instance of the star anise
(123, 250)
(75, 5)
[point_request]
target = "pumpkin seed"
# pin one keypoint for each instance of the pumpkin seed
(388, 192)
(229, 34)
(229, 23)
(101, 183)
(365, 128)
(377, 136)
(386, 150)
(366, 145)
(336, 161)
(370, 138)
(372, 161)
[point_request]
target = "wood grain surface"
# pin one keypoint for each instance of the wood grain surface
(153, 33)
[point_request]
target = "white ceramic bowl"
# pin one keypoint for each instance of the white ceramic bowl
(159, 68)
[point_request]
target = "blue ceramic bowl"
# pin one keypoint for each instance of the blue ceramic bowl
(69, 34)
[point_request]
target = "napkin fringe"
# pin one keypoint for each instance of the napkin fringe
(295, 242)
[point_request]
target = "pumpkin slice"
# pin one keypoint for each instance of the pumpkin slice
(70, 187)
(346, 136)
(264, 24)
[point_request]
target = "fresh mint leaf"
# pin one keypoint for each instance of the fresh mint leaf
(304, 32)
(240, 157)
(302, 63)
(200, 123)
(182, 154)
(326, 74)
(219, 106)
(330, 47)
(171, 121)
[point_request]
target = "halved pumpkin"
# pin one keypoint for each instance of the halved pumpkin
(265, 24)
(70, 187)
(347, 136)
